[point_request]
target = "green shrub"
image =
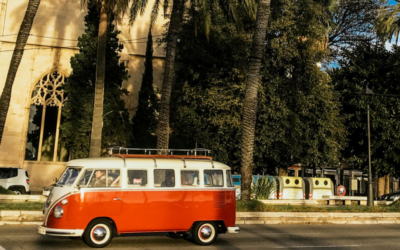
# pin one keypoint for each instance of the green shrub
(5, 191)
(263, 188)
(395, 205)
(250, 206)
(30, 206)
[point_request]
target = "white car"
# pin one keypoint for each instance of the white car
(15, 179)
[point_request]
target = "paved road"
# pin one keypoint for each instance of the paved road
(250, 237)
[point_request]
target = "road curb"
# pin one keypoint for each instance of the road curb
(9, 217)
(272, 218)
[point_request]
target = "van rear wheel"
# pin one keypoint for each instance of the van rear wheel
(98, 233)
(204, 233)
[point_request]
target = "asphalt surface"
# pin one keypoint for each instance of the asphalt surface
(250, 237)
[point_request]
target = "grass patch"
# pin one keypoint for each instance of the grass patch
(258, 206)
(5, 191)
(32, 206)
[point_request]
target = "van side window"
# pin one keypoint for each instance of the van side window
(84, 181)
(190, 178)
(137, 178)
(164, 178)
(105, 178)
(213, 178)
(229, 181)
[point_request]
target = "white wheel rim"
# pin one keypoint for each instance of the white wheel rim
(209, 238)
(99, 227)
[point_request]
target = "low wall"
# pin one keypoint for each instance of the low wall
(267, 218)
(22, 198)
(316, 218)
(21, 217)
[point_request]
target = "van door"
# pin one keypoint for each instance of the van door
(103, 194)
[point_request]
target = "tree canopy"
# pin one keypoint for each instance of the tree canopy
(144, 122)
(298, 118)
(76, 115)
(373, 66)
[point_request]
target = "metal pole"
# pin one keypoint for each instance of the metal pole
(370, 196)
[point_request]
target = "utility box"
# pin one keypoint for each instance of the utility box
(354, 184)
(317, 187)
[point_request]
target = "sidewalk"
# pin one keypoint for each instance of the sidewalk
(267, 218)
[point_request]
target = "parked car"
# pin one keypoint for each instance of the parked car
(15, 179)
(390, 197)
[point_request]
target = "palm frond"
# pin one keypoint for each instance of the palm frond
(154, 13)
(166, 4)
(388, 22)
(135, 10)
(250, 6)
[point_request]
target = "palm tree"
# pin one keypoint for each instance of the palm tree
(201, 7)
(388, 22)
(107, 7)
(169, 72)
(250, 100)
(22, 38)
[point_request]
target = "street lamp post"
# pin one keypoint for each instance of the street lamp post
(370, 198)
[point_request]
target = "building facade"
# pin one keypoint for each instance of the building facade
(44, 66)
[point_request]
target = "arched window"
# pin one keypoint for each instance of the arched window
(47, 100)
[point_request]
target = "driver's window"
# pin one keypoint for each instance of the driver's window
(83, 182)
(101, 178)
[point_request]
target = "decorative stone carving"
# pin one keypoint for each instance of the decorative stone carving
(48, 91)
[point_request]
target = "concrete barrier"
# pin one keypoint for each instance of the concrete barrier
(16, 217)
(296, 202)
(22, 198)
(316, 218)
(267, 218)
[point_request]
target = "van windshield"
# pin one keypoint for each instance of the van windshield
(69, 176)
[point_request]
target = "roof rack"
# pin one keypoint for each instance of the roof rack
(197, 153)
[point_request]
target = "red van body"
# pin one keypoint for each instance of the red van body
(199, 207)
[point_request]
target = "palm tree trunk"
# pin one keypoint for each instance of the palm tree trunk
(250, 100)
(169, 72)
(22, 38)
(97, 123)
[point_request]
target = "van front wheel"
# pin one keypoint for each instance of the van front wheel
(204, 233)
(98, 233)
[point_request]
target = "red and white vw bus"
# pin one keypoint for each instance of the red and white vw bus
(99, 198)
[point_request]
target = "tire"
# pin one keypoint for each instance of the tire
(98, 233)
(204, 233)
(18, 191)
(178, 236)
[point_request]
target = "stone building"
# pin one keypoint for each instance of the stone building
(46, 62)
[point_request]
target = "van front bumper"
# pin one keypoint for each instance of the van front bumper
(60, 232)
(233, 230)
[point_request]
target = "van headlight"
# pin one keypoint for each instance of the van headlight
(58, 212)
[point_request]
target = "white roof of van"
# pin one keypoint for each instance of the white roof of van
(145, 163)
